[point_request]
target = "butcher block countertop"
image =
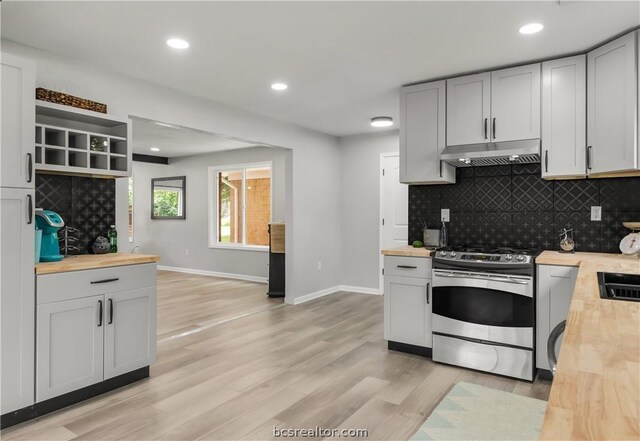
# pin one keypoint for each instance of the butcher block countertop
(596, 390)
(408, 251)
(93, 261)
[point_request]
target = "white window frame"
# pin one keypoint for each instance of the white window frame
(214, 203)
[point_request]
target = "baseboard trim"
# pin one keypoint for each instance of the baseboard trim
(44, 407)
(409, 349)
(214, 274)
(361, 290)
(333, 290)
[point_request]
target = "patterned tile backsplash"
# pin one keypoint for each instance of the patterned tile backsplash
(513, 206)
(86, 204)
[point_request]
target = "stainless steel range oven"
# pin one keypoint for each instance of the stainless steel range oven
(484, 310)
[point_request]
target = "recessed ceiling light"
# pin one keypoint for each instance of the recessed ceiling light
(178, 43)
(279, 86)
(531, 28)
(154, 149)
(381, 121)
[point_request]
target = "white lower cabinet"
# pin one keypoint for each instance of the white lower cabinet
(69, 350)
(87, 334)
(130, 331)
(407, 305)
(555, 289)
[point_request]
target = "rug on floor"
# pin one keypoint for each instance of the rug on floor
(474, 412)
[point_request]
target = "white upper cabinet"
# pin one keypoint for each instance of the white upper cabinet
(422, 134)
(564, 119)
(468, 109)
(18, 120)
(515, 103)
(612, 99)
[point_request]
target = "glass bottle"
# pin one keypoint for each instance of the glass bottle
(112, 235)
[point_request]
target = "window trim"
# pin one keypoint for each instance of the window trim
(213, 203)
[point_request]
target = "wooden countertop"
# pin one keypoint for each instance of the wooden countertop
(596, 391)
(408, 251)
(92, 261)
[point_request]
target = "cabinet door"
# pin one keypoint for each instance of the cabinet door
(564, 102)
(69, 353)
(17, 301)
(515, 103)
(130, 339)
(422, 134)
(612, 97)
(555, 289)
(468, 109)
(18, 122)
(407, 310)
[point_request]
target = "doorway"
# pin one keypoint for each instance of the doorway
(394, 206)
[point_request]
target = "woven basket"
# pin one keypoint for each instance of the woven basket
(69, 100)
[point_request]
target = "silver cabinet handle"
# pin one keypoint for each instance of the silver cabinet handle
(551, 345)
(488, 278)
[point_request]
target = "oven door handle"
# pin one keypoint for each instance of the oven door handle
(488, 278)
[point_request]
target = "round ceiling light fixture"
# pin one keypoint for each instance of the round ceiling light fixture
(279, 86)
(178, 43)
(154, 149)
(381, 121)
(531, 28)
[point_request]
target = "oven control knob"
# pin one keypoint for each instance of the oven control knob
(520, 257)
(452, 253)
(508, 257)
(443, 253)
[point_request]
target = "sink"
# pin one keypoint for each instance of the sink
(617, 286)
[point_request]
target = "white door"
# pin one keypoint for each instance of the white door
(611, 106)
(69, 346)
(564, 121)
(515, 103)
(407, 302)
(422, 134)
(394, 207)
(468, 109)
(17, 286)
(18, 122)
(130, 332)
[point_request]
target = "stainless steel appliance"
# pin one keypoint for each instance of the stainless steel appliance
(484, 309)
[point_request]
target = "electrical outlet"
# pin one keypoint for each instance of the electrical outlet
(319, 266)
(444, 214)
(596, 213)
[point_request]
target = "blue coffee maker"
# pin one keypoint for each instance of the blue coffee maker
(49, 222)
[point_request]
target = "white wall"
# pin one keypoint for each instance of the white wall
(360, 206)
(172, 238)
(313, 205)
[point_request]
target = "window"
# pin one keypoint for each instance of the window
(240, 206)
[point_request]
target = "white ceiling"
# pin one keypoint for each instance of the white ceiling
(178, 141)
(343, 61)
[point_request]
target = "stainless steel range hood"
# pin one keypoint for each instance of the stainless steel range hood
(492, 153)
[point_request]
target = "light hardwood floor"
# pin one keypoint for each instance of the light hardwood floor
(244, 364)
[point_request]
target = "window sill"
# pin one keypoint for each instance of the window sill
(240, 247)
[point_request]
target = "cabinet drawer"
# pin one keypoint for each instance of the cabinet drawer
(78, 284)
(407, 266)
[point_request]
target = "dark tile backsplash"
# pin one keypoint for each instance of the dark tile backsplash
(514, 206)
(87, 204)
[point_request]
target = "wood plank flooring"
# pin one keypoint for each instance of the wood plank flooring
(243, 364)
